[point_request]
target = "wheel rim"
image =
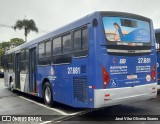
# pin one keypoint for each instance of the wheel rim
(11, 86)
(47, 94)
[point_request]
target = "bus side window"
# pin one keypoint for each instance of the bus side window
(57, 46)
(77, 40)
(13, 61)
(10, 64)
(24, 61)
(157, 41)
(62, 50)
(41, 51)
(41, 55)
(48, 48)
(84, 39)
(47, 59)
(80, 46)
(67, 44)
(27, 54)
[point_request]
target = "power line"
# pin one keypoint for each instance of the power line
(6, 26)
(9, 26)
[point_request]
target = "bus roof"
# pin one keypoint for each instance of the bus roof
(80, 22)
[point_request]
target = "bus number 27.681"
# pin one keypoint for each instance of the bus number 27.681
(73, 70)
(144, 60)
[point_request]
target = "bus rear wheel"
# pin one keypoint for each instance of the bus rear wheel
(47, 94)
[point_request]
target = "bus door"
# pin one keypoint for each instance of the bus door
(17, 71)
(32, 70)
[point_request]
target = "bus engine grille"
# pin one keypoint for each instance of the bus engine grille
(80, 89)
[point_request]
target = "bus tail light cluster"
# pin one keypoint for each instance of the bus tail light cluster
(154, 90)
(105, 77)
(153, 73)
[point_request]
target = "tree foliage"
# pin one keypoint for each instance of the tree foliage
(4, 46)
(27, 25)
(16, 42)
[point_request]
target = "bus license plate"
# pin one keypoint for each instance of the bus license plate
(131, 76)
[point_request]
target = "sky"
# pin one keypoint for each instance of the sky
(52, 14)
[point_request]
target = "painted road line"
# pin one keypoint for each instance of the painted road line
(61, 119)
(67, 116)
(46, 122)
(57, 110)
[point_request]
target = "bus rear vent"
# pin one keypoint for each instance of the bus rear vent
(80, 89)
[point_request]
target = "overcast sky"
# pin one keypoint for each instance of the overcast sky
(51, 14)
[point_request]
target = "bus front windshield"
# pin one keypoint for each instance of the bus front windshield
(118, 29)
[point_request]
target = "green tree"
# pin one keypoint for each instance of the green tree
(27, 25)
(4, 46)
(16, 42)
(1, 56)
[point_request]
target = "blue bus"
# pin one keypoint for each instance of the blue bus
(157, 35)
(102, 59)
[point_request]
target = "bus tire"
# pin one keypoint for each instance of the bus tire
(47, 94)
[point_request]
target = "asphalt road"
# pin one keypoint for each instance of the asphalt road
(22, 104)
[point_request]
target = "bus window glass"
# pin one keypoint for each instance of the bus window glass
(67, 44)
(157, 37)
(84, 39)
(9, 58)
(126, 30)
(27, 55)
(77, 40)
(22, 55)
(57, 46)
(48, 48)
(41, 50)
(129, 23)
(157, 40)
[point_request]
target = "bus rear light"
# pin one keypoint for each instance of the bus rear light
(154, 92)
(107, 95)
(92, 87)
(153, 73)
(153, 88)
(105, 77)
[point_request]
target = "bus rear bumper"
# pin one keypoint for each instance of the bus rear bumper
(115, 96)
(158, 87)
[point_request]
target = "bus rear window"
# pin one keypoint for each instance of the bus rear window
(118, 29)
(129, 23)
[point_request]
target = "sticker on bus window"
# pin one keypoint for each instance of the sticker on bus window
(128, 30)
(114, 83)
